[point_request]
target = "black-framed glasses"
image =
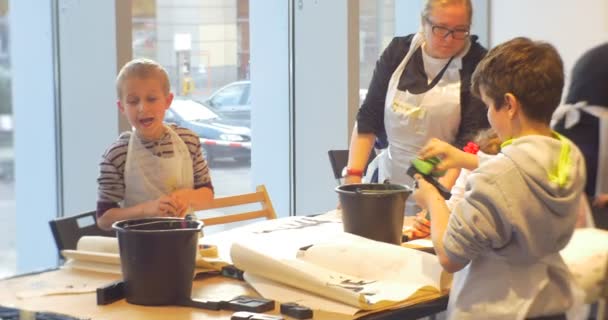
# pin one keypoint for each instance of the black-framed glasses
(458, 34)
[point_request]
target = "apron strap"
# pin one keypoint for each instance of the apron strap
(415, 78)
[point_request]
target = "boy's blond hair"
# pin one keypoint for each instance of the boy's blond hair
(142, 68)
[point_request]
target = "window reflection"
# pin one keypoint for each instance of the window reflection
(376, 30)
(204, 45)
(7, 178)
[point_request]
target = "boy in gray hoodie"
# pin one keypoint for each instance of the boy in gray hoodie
(520, 206)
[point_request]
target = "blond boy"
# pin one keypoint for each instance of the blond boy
(158, 169)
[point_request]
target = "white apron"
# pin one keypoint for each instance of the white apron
(148, 176)
(492, 288)
(412, 119)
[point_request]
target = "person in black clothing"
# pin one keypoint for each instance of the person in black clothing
(589, 84)
(420, 90)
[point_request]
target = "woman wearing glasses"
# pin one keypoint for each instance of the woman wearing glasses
(420, 90)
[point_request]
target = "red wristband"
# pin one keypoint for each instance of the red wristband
(348, 172)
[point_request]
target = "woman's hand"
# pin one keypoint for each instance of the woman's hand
(421, 228)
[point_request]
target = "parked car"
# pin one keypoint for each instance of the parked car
(219, 137)
(232, 101)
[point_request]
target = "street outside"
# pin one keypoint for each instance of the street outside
(229, 177)
(7, 231)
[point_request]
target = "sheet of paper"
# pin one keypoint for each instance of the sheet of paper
(101, 254)
(92, 256)
(300, 231)
(98, 244)
(74, 282)
(93, 266)
(419, 243)
(279, 292)
(361, 257)
(335, 268)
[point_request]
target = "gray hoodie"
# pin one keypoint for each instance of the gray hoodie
(520, 209)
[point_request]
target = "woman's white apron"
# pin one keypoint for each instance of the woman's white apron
(412, 119)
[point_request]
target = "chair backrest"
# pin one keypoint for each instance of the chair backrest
(68, 230)
(338, 159)
(259, 196)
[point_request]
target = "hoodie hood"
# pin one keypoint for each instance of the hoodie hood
(552, 167)
(553, 170)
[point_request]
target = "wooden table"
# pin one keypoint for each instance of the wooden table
(25, 292)
(83, 305)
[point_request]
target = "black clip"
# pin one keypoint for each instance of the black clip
(295, 310)
(231, 271)
(111, 293)
(445, 193)
(245, 303)
(242, 315)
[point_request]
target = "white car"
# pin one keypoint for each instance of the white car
(233, 102)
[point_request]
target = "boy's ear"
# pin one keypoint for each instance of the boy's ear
(512, 104)
(169, 100)
(120, 106)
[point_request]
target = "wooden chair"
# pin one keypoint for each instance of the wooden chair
(259, 196)
(67, 230)
(338, 159)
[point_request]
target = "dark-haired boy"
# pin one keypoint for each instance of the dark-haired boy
(520, 207)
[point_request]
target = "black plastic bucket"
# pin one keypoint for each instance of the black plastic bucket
(374, 210)
(157, 257)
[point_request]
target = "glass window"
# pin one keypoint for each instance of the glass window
(376, 30)
(192, 111)
(205, 48)
(229, 96)
(7, 179)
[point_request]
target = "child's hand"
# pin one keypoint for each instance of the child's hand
(450, 156)
(182, 201)
(164, 206)
(424, 192)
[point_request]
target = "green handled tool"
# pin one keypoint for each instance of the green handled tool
(425, 168)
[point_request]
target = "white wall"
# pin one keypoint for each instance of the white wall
(571, 26)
